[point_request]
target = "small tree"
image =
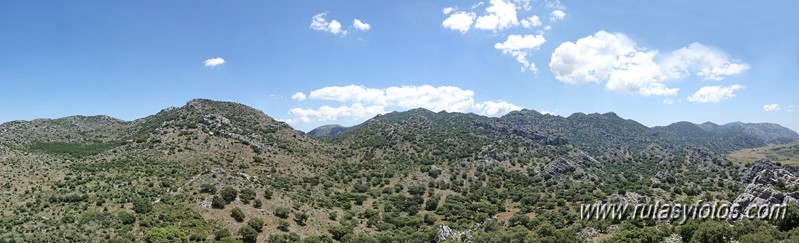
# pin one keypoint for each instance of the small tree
(282, 212)
(256, 223)
(300, 218)
(711, 231)
(434, 173)
(217, 202)
(257, 203)
(142, 206)
(237, 214)
(283, 225)
(268, 194)
(248, 234)
(247, 195)
(338, 231)
(126, 218)
(791, 219)
(229, 194)
(221, 234)
(208, 188)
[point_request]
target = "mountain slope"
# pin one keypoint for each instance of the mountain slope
(191, 172)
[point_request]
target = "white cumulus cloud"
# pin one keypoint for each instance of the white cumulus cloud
(557, 15)
(359, 102)
(589, 59)
(460, 21)
(532, 21)
(299, 96)
(318, 22)
(714, 94)
(519, 46)
(772, 107)
(214, 62)
(627, 68)
(362, 26)
(501, 15)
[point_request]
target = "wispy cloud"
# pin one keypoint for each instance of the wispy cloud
(519, 47)
(320, 23)
(714, 94)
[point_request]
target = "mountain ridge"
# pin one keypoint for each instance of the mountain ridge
(706, 126)
(581, 129)
(608, 130)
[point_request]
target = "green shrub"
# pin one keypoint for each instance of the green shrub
(256, 223)
(229, 194)
(247, 195)
(126, 218)
(165, 235)
(248, 234)
(221, 234)
(283, 225)
(268, 194)
(300, 218)
(217, 202)
(282, 212)
(208, 188)
(237, 214)
(142, 205)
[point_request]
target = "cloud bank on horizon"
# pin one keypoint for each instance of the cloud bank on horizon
(361, 102)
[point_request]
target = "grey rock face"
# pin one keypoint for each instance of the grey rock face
(445, 232)
(215, 120)
(762, 179)
(559, 165)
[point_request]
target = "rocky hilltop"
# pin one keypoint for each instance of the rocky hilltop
(328, 131)
(768, 183)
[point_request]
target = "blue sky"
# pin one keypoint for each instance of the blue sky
(656, 62)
